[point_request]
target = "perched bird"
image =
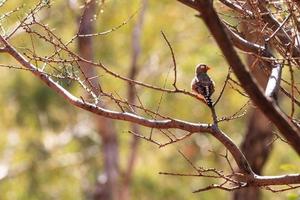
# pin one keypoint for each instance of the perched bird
(202, 84)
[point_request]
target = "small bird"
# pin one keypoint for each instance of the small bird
(202, 84)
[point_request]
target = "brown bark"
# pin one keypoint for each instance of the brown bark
(256, 146)
(259, 134)
(256, 149)
(250, 178)
(211, 18)
(289, 131)
(105, 128)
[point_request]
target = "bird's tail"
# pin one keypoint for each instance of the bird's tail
(209, 101)
(207, 96)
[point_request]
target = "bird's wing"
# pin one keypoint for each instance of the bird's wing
(204, 85)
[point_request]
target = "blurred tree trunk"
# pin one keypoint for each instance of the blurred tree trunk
(255, 145)
(132, 99)
(108, 190)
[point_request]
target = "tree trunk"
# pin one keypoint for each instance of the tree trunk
(256, 148)
(255, 145)
(107, 190)
(132, 98)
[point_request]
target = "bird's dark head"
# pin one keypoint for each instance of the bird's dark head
(201, 68)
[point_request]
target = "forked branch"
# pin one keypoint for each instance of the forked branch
(265, 104)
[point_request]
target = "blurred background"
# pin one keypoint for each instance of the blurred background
(50, 149)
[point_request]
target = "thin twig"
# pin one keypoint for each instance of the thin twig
(173, 58)
(224, 86)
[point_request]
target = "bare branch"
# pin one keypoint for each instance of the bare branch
(2, 3)
(239, 113)
(279, 27)
(130, 112)
(218, 186)
(246, 45)
(3, 50)
(282, 189)
(273, 24)
(107, 31)
(270, 109)
(173, 58)
(292, 91)
(177, 139)
(277, 180)
(238, 8)
(161, 124)
(224, 86)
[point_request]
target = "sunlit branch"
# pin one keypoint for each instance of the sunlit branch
(238, 8)
(223, 35)
(269, 108)
(173, 58)
(162, 124)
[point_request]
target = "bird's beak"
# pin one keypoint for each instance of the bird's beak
(208, 68)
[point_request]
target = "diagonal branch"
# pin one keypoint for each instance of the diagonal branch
(238, 8)
(246, 45)
(280, 32)
(248, 178)
(270, 21)
(268, 107)
(173, 58)
(273, 84)
(125, 116)
(168, 123)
